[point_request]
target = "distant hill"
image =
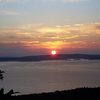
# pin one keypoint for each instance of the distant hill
(51, 57)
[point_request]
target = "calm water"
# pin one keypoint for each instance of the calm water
(45, 76)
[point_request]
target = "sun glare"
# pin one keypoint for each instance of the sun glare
(53, 52)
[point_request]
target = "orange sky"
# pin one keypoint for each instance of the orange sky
(65, 38)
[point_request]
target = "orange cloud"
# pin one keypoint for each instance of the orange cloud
(51, 30)
(65, 36)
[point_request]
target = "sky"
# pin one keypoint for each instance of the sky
(36, 27)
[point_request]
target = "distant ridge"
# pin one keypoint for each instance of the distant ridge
(51, 57)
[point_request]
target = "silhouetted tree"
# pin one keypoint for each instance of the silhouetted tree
(1, 74)
(1, 92)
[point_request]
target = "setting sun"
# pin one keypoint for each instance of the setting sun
(53, 52)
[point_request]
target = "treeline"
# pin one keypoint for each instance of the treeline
(50, 57)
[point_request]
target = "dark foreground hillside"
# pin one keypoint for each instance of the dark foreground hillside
(75, 94)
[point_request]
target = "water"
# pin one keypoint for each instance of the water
(47, 76)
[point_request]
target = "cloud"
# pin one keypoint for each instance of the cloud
(66, 1)
(26, 39)
(38, 36)
(6, 12)
(7, 1)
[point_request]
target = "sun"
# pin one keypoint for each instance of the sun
(53, 52)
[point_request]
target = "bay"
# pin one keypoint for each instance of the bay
(48, 76)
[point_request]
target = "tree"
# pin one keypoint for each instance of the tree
(1, 74)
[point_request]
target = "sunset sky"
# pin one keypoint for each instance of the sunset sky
(34, 27)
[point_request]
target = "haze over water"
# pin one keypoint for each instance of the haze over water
(48, 76)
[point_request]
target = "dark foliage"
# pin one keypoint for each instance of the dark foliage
(1, 74)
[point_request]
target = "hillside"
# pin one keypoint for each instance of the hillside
(74, 94)
(50, 57)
